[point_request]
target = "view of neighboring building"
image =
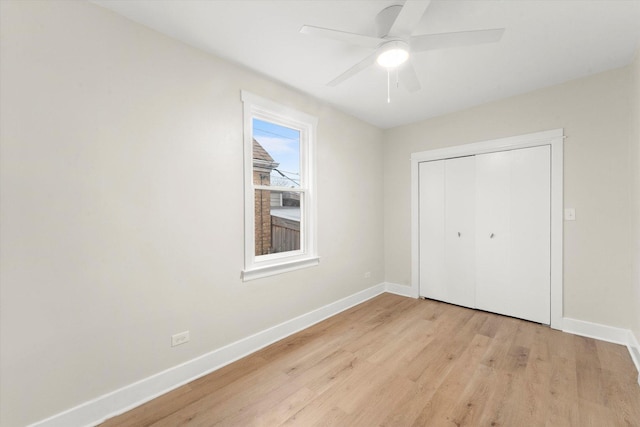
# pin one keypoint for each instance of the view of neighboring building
(277, 213)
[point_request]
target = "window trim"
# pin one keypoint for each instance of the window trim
(255, 106)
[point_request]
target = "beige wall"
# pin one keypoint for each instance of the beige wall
(122, 206)
(634, 158)
(594, 114)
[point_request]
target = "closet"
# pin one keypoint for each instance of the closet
(485, 231)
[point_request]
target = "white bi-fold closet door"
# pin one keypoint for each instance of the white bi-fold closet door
(485, 232)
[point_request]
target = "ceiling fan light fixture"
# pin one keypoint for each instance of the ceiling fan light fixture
(393, 54)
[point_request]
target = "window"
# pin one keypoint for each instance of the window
(279, 188)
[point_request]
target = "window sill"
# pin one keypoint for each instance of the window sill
(272, 270)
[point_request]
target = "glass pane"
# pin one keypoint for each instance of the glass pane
(276, 155)
(277, 221)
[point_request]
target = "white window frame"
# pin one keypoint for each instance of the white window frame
(256, 267)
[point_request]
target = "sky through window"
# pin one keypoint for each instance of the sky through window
(283, 144)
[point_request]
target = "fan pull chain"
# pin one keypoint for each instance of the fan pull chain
(388, 86)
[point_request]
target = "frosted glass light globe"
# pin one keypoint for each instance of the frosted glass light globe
(391, 58)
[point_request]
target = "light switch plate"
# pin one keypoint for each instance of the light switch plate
(570, 214)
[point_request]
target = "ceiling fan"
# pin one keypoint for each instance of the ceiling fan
(394, 42)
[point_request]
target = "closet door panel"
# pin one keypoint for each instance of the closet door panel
(493, 240)
(513, 202)
(459, 245)
(530, 265)
(432, 262)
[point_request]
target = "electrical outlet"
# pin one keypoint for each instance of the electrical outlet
(367, 274)
(181, 338)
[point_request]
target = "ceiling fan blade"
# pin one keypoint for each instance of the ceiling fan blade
(462, 38)
(353, 70)
(408, 18)
(409, 78)
(352, 38)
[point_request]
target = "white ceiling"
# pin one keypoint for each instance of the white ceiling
(545, 43)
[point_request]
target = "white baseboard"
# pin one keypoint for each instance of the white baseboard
(595, 330)
(403, 290)
(119, 401)
(605, 333)
(634, 350)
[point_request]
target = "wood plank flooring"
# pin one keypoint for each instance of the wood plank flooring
(395, 361)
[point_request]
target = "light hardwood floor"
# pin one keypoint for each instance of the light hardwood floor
(395, 361)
